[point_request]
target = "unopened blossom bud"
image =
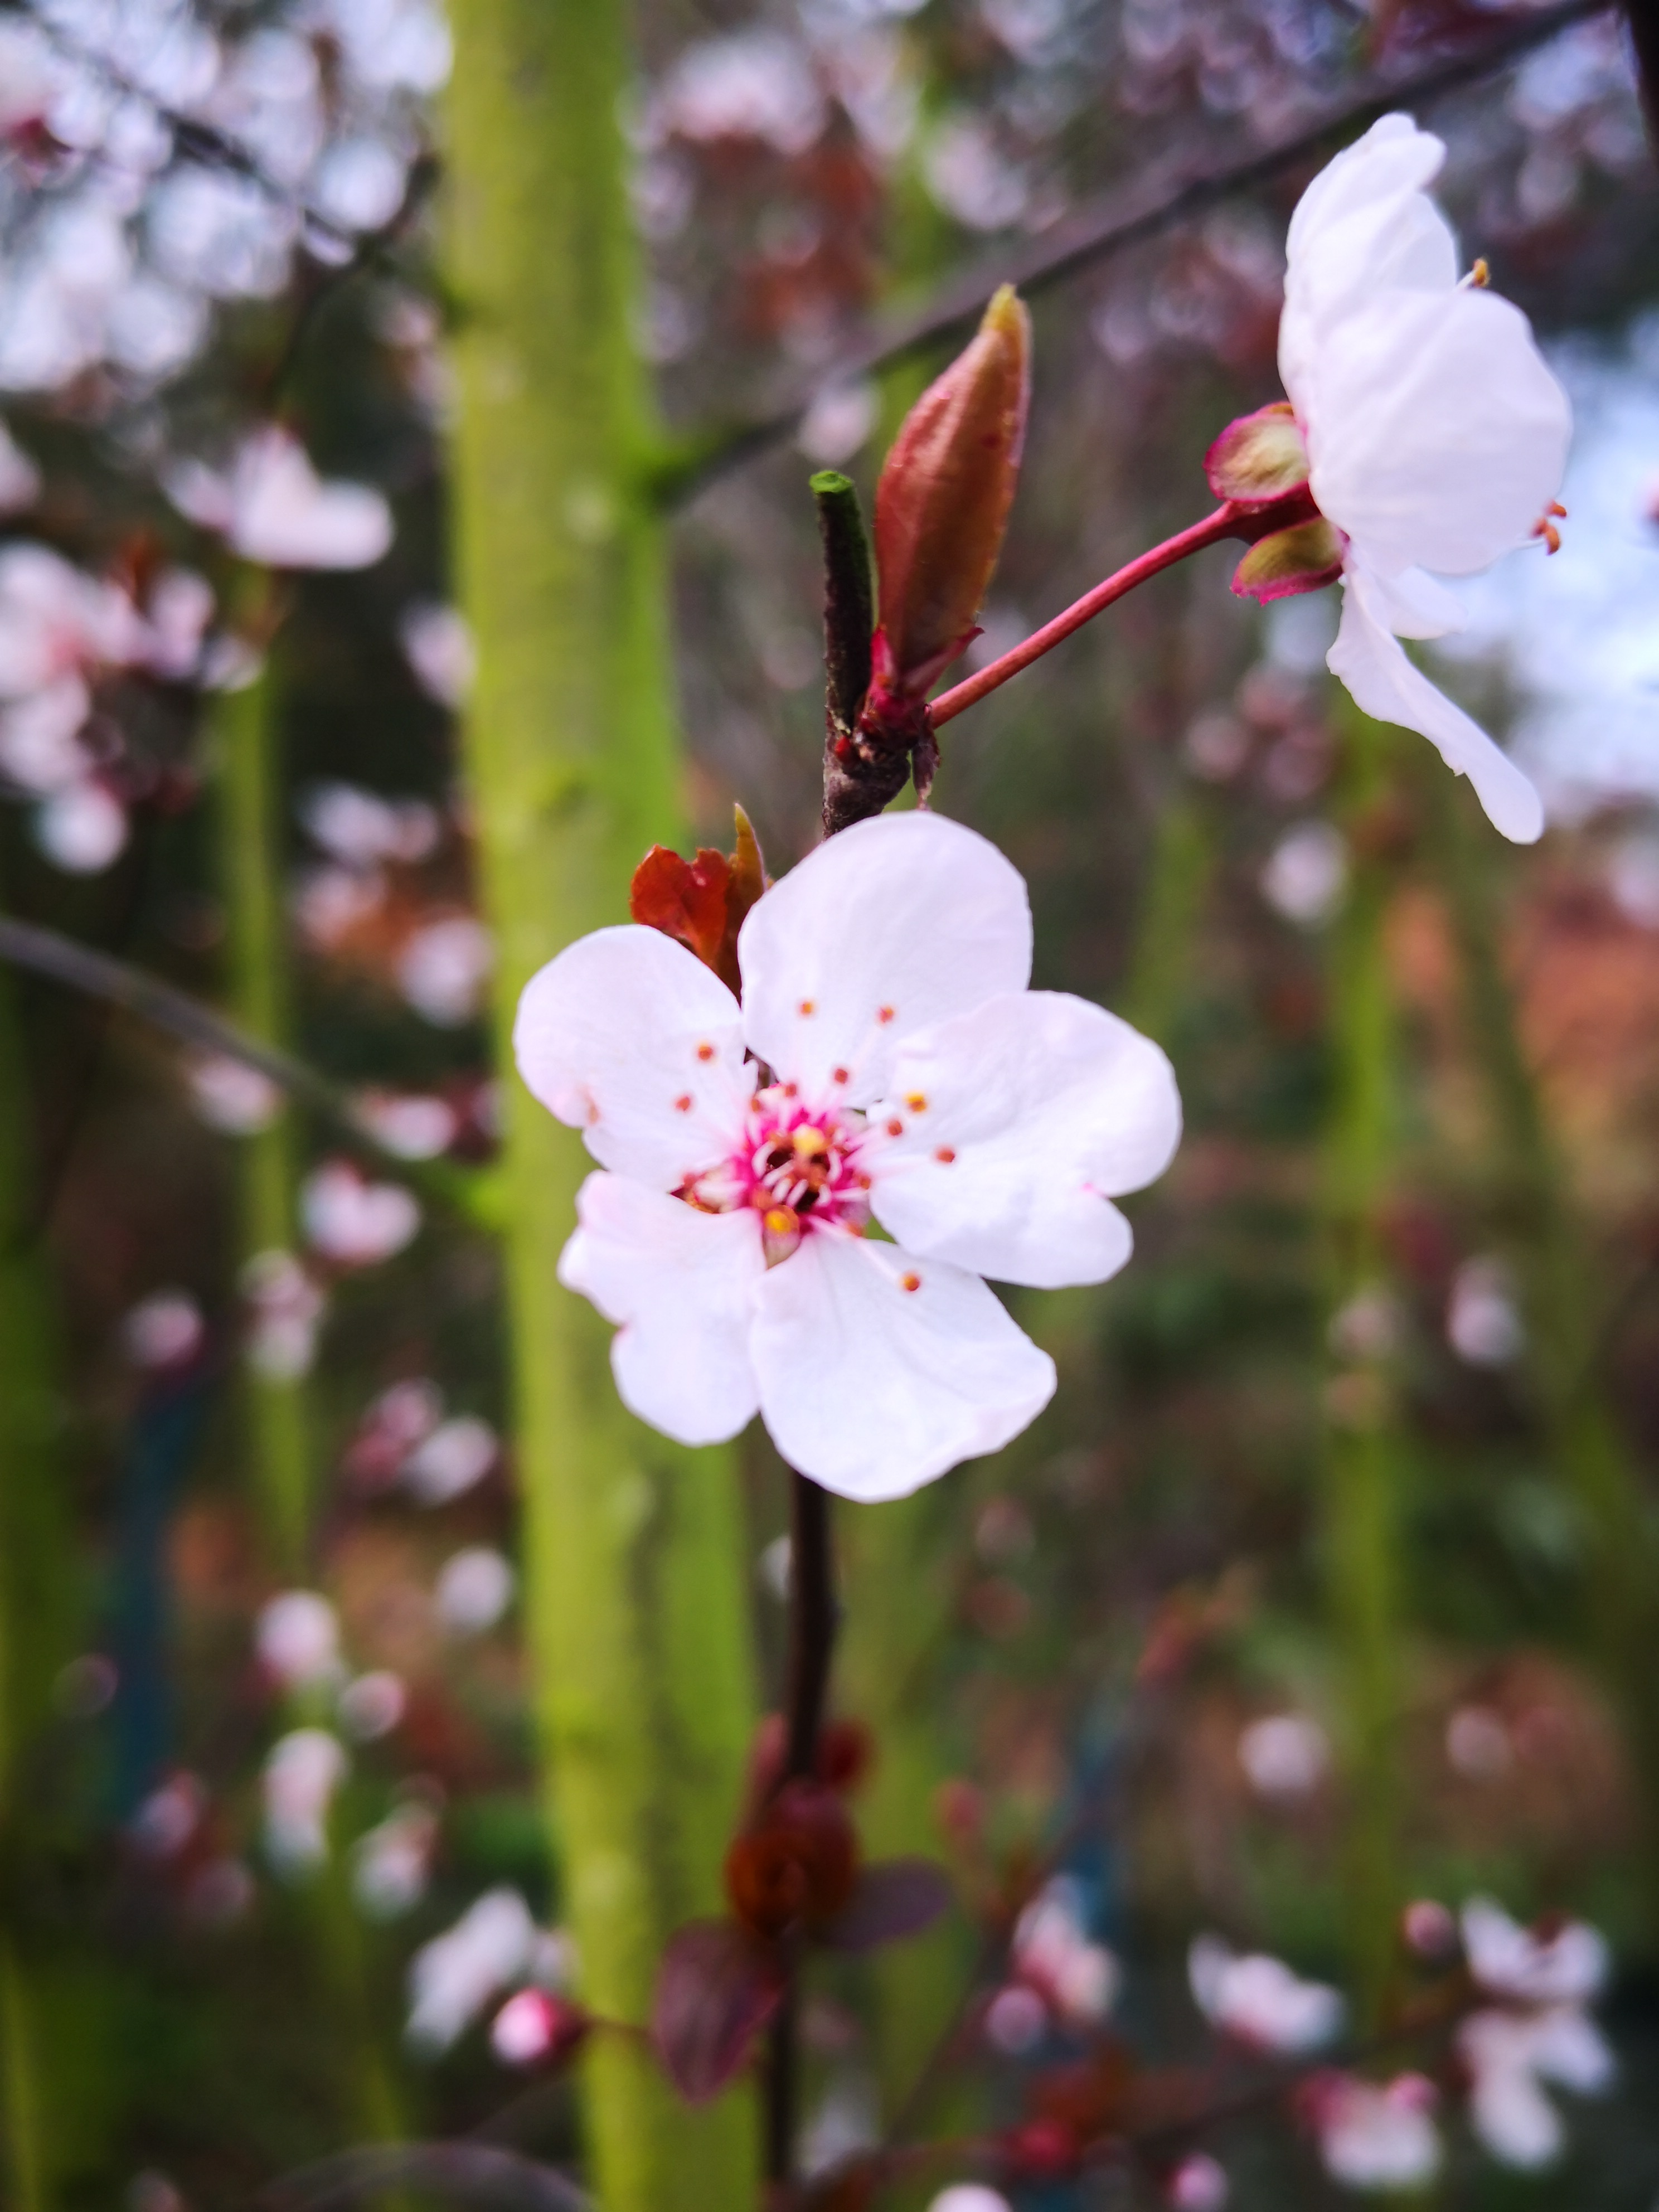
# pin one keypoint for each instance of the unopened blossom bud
(942, 502)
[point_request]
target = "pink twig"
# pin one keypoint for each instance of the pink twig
(1229, 520)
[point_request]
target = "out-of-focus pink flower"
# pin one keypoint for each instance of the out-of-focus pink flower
(232, 1097)
(1199, 2184)
(371, 1705)
(474, 1589)
(81, 828)
(969, 2196)
(168, 1819)
(360, 827)
(163, 1330)
(754, 84)
(1567, 1967)
(1307, 873)
(459, 1453)
(392, 1863)
(452, 1979)
(1483, 1322)
(1284, 1755)
(1053, 1955)
(443, 968)
(352, 1222)
(439, 646)
(297, 1637)
(390, 1427)
(1372, 2136)
(285, 1308)
(1259, 2000)
(415, 1127)
(1429, 1928)
(1510, 2056)
(273, 507)
(303, 1771)
(20, 479)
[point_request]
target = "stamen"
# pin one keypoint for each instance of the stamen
(705, 1052)
(682, 1103)
(812, 1144)
(1480, 276)
(910, 1282)
(944, 1155)
(883, 1015)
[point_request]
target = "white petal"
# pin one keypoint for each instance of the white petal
(1568, 2047)
(1363, 223)
(893, 924)
(1047, 1104)
(1393, 157)
(1415, 603)
(628, 1037)
(1514, 2118)
(682, 1286)
(1371, 661)
(285, 516)
(1437, 432)
(873, 1389)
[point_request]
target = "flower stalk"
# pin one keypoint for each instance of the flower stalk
(1231, 520)
(635, 1607)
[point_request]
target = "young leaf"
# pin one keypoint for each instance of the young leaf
(893, 1899)
(942, 502)
(717, 1987)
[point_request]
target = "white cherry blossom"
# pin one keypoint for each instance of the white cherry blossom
(888, 1066)
(1259, 2000)
(1567, 1967)
(1510, 2056)
(1373, 2135)
(271, 507)
(1437, 436)
(451, 1979)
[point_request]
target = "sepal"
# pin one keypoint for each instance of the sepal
(1306, 557)
(1258, 458)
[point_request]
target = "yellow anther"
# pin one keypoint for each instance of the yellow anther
(810, 1143)
(1480, 276)
(780, 1221)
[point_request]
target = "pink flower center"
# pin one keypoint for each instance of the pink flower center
(798, 1164)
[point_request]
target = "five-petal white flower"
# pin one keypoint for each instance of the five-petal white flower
(888, 1065)
(1437, 434)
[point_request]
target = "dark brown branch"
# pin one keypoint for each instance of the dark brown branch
(849, 599)
(46, 953)
(1122, 218)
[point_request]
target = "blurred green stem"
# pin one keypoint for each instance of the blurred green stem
(35, 1618)
(249, 820)
(636, 1596)
(1566, 1313)
(1362, 1442)
(257, 949)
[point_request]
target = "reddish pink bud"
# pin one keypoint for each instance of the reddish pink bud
(796, 1864)
(1306, 557)
(1044, 2149)
(942, 502)
(1259, 457)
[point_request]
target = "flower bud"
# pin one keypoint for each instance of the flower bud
(1258, 458)
(942, 502)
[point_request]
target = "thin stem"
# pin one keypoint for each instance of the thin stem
(812, 1619)
(1225, 522)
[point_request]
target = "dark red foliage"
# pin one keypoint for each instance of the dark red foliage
(892, 1899)
(795, 1865)
(717, 1987)
(702, 903)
